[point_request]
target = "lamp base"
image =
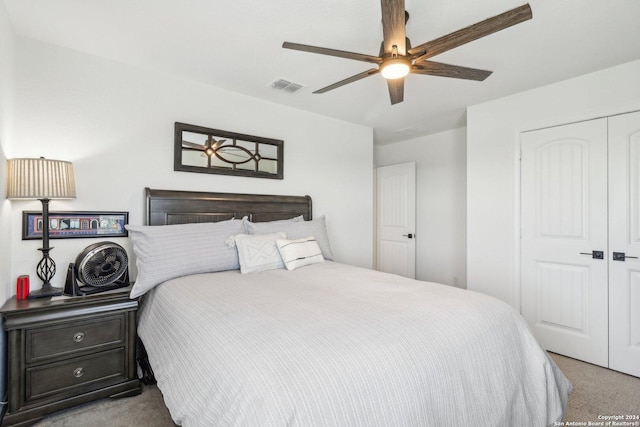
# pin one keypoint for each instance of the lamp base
(46, 291)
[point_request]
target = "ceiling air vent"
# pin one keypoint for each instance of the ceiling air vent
(286, 86)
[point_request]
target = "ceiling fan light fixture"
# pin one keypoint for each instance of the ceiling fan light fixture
(395, 68)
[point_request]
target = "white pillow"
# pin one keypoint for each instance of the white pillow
(167, 251)
(279, 222)
(271, 226)
(296, 230)
(300, 252)
(259, 252)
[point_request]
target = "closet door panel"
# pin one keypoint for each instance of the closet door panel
(564, 219)
(624, 238)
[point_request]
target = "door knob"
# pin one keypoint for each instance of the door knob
(594, 254)
(621, 256)
(410, 235)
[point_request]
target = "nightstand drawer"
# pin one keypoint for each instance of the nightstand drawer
(68, 338)
(86, 373)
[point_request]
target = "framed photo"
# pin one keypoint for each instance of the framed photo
(65, 225)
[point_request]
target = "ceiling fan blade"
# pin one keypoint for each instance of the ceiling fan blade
(447, 70)
(217, 144)
(396, 90)
(187, 144)
(393, 26)
(472, 32)
(351, 79)
(332, 52)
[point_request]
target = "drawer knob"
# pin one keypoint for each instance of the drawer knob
(78, 336)
(78, 372)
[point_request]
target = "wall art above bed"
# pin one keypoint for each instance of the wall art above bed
(204, 150)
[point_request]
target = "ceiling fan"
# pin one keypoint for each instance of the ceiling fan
(208, 149)
(397, 58)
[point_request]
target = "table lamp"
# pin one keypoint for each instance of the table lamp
(41, 179)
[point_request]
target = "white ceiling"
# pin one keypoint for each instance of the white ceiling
(236, 45)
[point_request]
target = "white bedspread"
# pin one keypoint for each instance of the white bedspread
(335, 345)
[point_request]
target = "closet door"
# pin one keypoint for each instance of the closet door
(563, 221)
(624, 243)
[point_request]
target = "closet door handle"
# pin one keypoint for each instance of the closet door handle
(621, 256)
(594, 254)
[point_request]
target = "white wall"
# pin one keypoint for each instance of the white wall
(115, 123)
(6, 114)
(440, 202)
(493, 130)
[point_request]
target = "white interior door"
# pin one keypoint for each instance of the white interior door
(396, 219)
(564, 219)
(624, 242)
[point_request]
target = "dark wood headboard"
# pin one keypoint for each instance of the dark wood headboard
(164, 207)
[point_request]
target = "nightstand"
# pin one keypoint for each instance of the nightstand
(66, 351)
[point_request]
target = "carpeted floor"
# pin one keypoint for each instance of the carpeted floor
(145, 410)
(596, 392)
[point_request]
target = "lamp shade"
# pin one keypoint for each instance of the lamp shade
(40, 179)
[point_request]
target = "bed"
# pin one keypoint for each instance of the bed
(323, 343)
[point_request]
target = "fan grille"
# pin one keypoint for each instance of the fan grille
(102, 264)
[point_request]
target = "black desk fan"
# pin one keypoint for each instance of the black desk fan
(100, 267)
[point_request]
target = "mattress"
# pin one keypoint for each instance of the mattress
(336, 345)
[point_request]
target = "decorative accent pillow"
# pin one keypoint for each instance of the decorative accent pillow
(297, 230)
(167, 251)
(300, 252)
(258, 252)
